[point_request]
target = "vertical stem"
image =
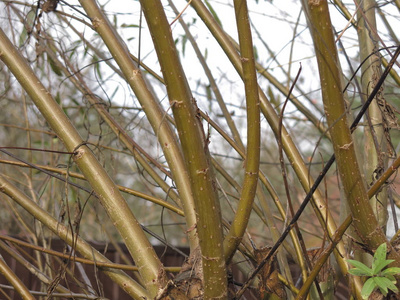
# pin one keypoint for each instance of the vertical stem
(210, 77)
(271, 116)
(354, 187)
(241, 219)
(151, 107)
(195, 149)
(374, 134)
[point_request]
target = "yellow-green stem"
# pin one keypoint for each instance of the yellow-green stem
(64, 233)
(124, 189)
(289, 147)
(211, 79)
(195, 150)
(342, 229)
(14, 280)
(375, 160)
(152, 108)
(354, 186)
(111, 199)
(252, 161)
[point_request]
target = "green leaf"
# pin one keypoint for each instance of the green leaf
(368, 288)
(129, 26)
(214, 14)
(381, 285)
(380, 253)
(74, 48)
(98, 71)
(85, 52)
(379, 265)
(384, 284)
(361, 266)
(358, 272)
(391, 278)
(184, 40)
(390, 271)
(28, 26)
(54, 66)
(58, 98)
(114, 93)
(255, 52)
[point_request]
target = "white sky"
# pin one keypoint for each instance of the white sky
(275, 21)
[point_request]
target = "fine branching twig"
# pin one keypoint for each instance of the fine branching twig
(319, 178)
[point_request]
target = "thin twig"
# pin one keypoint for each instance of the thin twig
(319, 178)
